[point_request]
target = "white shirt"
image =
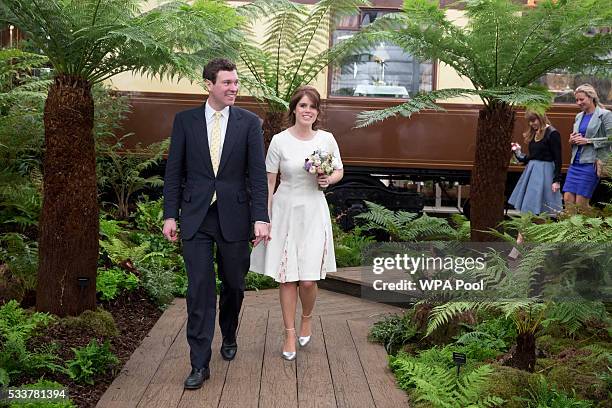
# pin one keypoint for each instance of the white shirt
(209, 113)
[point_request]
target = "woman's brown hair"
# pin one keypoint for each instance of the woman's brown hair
(312, 94)
(537, 134)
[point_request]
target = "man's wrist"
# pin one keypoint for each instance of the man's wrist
(261, 222)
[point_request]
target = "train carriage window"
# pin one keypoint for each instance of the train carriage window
(382, 71)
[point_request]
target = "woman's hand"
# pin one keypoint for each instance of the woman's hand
(556, 186)
(577, 138)
(323, 180)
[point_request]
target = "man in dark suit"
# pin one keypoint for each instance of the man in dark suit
(216, 151)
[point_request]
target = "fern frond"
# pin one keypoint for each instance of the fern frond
(442, 314)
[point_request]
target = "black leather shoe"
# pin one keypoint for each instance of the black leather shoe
(197, 378)
(228, 350)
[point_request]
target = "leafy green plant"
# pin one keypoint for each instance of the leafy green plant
(122, 170)
(575, 229)
(21, 139)
(406, 226)
(439, 384)
(295, 49)
(394, 332)
(16, 327)
(349, 246)
(545, 395)
(21, 256)
(111, 282)
(90, 361)
(15, 319)
(488, 339)
(572, 316)
(256, 281)
(110, 228)
(119, 250)
(159, 282)
(149, 215)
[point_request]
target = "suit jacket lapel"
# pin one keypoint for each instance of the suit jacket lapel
(231, 134)
(594, 123)
(199, 130)
(577, 121)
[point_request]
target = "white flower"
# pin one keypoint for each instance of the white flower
(312, 170)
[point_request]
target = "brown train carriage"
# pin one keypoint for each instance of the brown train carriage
(434, 146)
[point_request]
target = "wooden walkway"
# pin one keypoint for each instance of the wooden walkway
(339, 368)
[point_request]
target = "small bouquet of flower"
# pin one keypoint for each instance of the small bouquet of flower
(320, 162)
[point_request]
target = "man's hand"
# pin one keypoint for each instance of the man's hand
(169, 230)
(556, 186)
(262, 233)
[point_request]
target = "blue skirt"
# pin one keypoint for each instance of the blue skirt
(533, 192)
(581, 179)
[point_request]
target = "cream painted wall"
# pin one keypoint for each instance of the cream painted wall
(449, 78)
(127, 81)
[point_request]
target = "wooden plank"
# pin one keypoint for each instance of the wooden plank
(373, 358)
(278, 377)
(166, 386)
(350, 385)
(244, 374)
(131, 383)
(208, 396)
(315, 387)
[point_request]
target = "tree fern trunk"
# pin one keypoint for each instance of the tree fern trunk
(524, 357)
(273, 123)
(494, 134)
(68, 240)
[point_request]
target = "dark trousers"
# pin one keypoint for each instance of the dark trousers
(233, 261)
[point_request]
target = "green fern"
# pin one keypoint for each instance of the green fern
(575, 229)
(295, 48)
(440, 386)
(119, 251)
(572, 316)
(406, 226)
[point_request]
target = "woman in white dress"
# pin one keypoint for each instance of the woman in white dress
(301, 249)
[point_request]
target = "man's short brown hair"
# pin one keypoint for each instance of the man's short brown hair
(214, 66)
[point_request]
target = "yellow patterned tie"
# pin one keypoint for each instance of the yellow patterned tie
(215, 144)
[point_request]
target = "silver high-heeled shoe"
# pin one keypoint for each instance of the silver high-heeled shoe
(289, 355)
(304, 340)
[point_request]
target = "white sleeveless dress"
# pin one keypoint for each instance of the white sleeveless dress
(302, 246)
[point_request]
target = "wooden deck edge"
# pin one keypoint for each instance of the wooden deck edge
(129, 386)
(340, 284)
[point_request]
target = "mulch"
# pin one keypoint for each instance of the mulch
(134, 316)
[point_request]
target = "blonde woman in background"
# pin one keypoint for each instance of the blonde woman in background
(590, 147)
